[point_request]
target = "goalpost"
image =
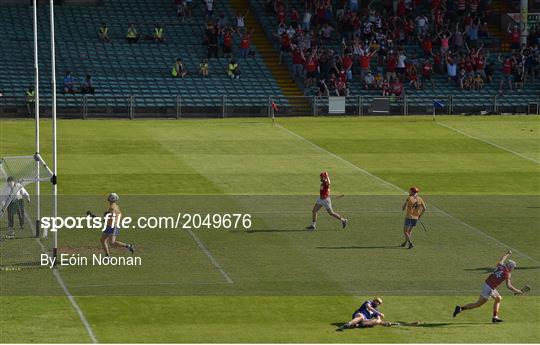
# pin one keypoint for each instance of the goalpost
(25, 170)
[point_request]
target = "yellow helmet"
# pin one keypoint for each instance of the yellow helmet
(378, 299)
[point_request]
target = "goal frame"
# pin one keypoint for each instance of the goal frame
(54, 168)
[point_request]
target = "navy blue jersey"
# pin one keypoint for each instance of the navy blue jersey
(368, 314)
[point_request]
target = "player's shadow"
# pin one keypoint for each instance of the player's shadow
(276, 230)
(490, 269)
(425, 325)
(433, 324)
(362, 247)
(443, 324)
(338, 324)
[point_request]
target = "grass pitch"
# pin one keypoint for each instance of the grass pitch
(276, 282)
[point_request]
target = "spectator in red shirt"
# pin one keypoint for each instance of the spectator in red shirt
(227, 44)
(245, 42)
(391, 64)
(507, 73)
(445, 41)
(365, 61)
(285, 46)
(409, 30)
(401, 9)
(396, 87)
(385, 88)
(468, 66)
(294, 17)
(515, 36)
(312, 70)
(298, 61)
(347, 63)
(427, 45)
(413, 77)
(427, 71)
(280, 11)
(341, 88)
(479, 62)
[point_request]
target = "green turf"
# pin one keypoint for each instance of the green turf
(288, 285)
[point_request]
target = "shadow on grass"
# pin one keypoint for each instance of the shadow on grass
(363, 247)
(276, 230)
(443, 324)
(425, 325)
(434, 324)
(491, 269)
(337, 324)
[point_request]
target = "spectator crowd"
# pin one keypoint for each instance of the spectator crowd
(391, 46)
(398, 45)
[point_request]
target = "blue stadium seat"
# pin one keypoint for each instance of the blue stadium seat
(120, 69)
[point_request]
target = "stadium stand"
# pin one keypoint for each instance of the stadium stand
(120, 70)
(139, 74)
(276, 16)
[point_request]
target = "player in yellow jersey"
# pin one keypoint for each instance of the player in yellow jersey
(414, 208)
(113, 215)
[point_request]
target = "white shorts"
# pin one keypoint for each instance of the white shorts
(326, 203)
(488, 292)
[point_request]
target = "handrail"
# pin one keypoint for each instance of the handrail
(177, 106)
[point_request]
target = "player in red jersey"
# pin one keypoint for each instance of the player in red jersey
(324, 201)
(501, 274)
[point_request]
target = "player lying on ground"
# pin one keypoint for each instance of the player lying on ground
(501, 273)
(366, 316)
(113, 215)
(414, 208)
(324, 201)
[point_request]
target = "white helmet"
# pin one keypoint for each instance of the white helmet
(113, 197)
(511, 264)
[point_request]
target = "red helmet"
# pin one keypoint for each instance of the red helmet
(414, 190)
(324, 174)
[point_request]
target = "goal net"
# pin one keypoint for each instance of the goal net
(23, 201)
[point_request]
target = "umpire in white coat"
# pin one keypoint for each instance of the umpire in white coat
(12, 197)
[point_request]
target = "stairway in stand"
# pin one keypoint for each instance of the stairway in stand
(499, 6)
(270, 56)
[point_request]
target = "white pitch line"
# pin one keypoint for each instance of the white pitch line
(478, 231)
(416, 292)
(289, 211)
(211, 257)
(70, 297)
(354, 166)
(341, 210)
(489, 143)
(75, 306)
(147, 284)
